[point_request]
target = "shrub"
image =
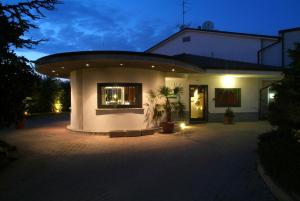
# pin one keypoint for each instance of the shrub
(229, 113)
(284, 113)
(280, 157)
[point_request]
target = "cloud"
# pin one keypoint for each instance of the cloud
(32, 55)
(79, 26)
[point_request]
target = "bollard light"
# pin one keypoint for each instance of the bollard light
(182, 126)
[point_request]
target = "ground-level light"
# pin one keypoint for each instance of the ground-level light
(182, 125)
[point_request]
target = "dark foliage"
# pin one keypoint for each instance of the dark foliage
(16, 83)
(16, 75)
(17, 19)
(45, 93)
(280, 157)
(285, 111)
(229, 113)
(66, 98)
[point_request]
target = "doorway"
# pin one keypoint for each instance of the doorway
(198, 103)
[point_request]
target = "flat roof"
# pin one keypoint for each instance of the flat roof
(290, 30)
(62, 64)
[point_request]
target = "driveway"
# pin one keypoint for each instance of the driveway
(208, 162)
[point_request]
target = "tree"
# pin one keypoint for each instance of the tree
(49, 95)
(16, 74)
(285, 111)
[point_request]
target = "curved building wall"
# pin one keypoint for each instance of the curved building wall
(86, 116)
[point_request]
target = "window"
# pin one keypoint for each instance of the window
(186, 39)
(119, 95)
(228, 97)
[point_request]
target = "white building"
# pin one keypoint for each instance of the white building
(109, 88)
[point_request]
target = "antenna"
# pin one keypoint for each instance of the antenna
(184, 3)
(184, 11)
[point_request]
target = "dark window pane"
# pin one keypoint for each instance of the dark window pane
(186, 39)
(228, 97)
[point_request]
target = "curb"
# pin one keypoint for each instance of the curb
(278, 192)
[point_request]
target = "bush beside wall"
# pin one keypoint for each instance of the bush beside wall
(280, 158)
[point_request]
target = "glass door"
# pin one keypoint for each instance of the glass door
(198, 103)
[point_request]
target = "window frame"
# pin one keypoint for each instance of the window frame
(239, 96)
(139, 94)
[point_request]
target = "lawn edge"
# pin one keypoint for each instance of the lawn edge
(277, 191)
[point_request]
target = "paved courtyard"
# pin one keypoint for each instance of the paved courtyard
(210, 162)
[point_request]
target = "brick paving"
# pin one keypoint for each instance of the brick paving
(209, 162)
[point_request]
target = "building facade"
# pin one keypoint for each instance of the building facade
(216, 69)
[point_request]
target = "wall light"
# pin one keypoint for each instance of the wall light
(87, 65)
(152, 66)
(173, 70)
(228, 81)
(53, 71)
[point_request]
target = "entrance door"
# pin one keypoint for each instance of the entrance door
(198, 103)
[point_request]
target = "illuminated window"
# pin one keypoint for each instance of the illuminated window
(228, 97)
(119, 95)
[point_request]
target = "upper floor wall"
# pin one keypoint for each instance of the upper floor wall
(277, 54)
(271, 55)
(223, 45)
(289, 38)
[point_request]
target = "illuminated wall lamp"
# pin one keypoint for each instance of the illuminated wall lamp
(228, 81)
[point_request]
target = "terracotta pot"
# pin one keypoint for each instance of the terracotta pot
(168, 127)
(228, 120)
(21, 124)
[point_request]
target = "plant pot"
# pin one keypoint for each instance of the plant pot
(21, 124)
(168, 127)
(228, 120)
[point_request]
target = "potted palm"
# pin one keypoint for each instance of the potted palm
(160, 107)
(228, 116)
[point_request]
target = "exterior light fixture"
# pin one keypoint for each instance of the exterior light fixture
(228, 81)
(87, 65)
(271, 95)
(182, 126)
(53, 71)
(152, 66)
(121, 65)
(173, 70)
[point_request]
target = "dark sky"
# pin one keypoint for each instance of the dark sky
(136, 25)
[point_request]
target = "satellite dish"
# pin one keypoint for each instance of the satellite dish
(208, 25)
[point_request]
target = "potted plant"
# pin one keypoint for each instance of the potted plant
(160, 106)
(228, 116)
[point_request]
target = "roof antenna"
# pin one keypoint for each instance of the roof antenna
(184, 12)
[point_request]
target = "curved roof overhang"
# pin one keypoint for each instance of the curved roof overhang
(61, 65)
